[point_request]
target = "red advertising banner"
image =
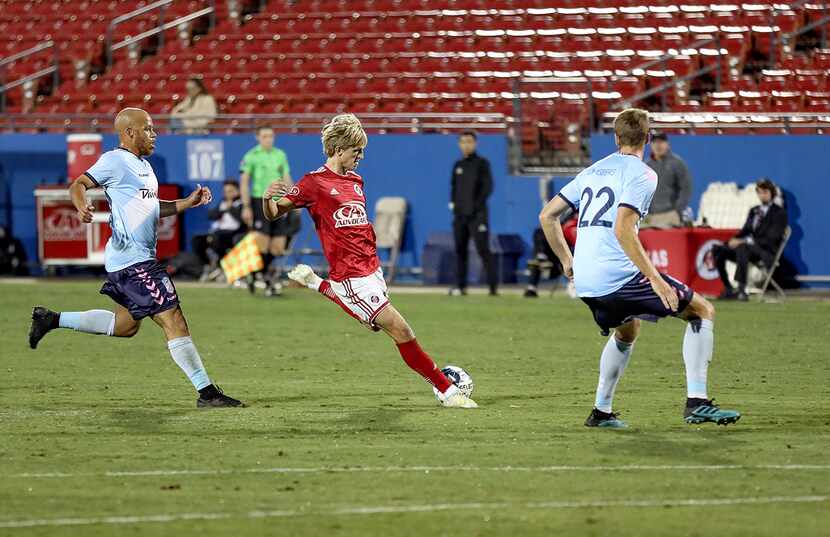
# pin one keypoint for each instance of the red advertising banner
(64, 240)
(686, 254)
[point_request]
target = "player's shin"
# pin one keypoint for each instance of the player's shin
(697, 353)
(90, 322)
(421, 363)
(612, 364)
(186, 356)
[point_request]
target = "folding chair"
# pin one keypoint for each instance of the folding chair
(769, 271)
(390, 217)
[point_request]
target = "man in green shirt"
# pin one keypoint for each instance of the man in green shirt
(261, 166)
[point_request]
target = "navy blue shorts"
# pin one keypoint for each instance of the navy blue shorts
(144, 289)
(636, 300)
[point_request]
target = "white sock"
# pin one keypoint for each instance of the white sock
(186, 356)
(612, 363)
(697, 353)
(91, 322)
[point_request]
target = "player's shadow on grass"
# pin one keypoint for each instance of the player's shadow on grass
(145, 420)
(700, 447)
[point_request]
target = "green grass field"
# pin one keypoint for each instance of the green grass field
(100, 436)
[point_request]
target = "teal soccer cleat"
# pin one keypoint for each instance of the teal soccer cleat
(704, 410)
(609, 420)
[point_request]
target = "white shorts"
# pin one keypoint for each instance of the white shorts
(364, 297)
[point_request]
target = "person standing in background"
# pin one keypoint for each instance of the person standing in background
(261, 166)
(472, 184)
(674, 184)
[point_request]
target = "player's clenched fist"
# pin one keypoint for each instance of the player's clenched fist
(85, 213)
(277, 190)
(200, 196)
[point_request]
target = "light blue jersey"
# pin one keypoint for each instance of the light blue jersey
(131, 188)
(600, 264)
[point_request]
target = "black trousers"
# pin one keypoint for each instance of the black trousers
(219, 242)
(542, 252)
(743, 255)
(474, 226)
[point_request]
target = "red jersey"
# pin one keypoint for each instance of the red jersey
(338, 207)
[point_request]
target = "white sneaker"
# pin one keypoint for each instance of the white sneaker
(453, 398)
(304, 275)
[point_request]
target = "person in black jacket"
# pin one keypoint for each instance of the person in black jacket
(472, 184)
(225, 230)
(757, 241)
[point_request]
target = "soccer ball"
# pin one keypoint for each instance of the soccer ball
(460, 378)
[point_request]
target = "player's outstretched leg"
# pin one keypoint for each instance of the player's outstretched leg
(612, 364)
(698, 344)
(393, 323)
(102, 322)
(186, 356)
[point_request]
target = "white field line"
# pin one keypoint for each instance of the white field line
(426, 469)
(415, 508)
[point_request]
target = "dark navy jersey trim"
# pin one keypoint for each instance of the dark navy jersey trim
(631, 207)
(567, 201)
(94, 180)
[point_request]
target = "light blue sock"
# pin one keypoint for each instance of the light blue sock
(90, 322)
(612, 363)
(186, 356)
(698, 344)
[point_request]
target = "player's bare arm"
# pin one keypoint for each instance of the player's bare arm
(197, 198)
(552, 228)
(274, 205)
(245, 195)
(625, 229)
(77, 191)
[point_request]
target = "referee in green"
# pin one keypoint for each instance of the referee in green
(260, 167)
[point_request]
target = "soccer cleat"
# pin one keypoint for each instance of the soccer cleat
(705, 410)
(43, 320)
(275, 289)
(453, 398)
(213, 397)
(304, 275)
(456, 291)
(531, 293)
(609, 420)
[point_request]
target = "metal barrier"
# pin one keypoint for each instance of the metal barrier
(691, 121)
(53, 69)
(230, 123)
(161, 6)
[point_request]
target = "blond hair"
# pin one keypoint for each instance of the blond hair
(631, 127)
(343, 132)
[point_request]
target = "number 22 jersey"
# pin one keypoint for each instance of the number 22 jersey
(600, 264)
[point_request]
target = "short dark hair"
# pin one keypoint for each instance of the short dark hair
(233, 182)
(765, 183)
(263, 127)
(469, 133)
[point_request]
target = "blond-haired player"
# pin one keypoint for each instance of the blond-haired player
(333, 195)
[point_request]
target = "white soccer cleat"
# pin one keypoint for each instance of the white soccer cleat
(453, 398)
(304, 275)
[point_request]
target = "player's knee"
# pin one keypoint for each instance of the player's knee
(628, 332)
(706, 310)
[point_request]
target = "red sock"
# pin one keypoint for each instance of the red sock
(418, 360)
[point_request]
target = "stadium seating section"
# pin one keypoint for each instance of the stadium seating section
(428, 56)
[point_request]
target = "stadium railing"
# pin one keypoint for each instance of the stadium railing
(692, 122)
(230, 123)
(51, 70)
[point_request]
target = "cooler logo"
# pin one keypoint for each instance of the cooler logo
(358, 190)
(705, 260)
(62, 224)
(350, 214)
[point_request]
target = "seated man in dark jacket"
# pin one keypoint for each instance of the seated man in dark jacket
(757, 241)
(227, 228)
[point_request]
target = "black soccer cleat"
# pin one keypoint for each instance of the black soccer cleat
(705, 410)
(43, 320)
(213, 397)
(610, 420)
